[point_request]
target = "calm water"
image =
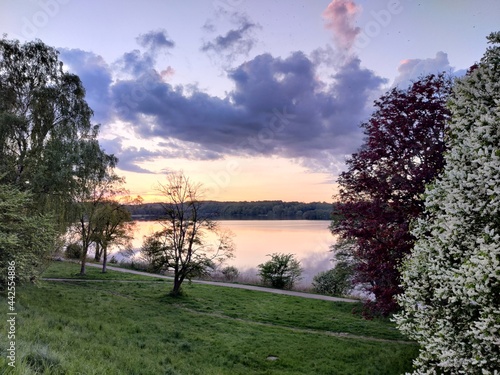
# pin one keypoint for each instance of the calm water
(254, 239)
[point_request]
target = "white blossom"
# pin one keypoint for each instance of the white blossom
(451, 303)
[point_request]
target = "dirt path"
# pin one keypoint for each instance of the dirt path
(228, 285)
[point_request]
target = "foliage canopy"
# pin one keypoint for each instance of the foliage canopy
(44, 122)
(281, 271)
(26, 241)
(451, 302)
(380, 193)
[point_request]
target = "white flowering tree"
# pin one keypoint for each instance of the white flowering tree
(451, 302)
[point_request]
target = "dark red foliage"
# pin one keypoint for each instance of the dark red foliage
(381, 192)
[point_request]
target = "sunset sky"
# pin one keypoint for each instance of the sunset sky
(256, 99)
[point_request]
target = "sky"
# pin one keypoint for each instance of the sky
(254, 99)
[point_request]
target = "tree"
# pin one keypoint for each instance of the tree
(282, 271)
(451, 302)
(154, 254)
(113, 225)
(73, 250)
(47, 142)
(43, 116)
(26, 240)
(338, 280)
(182, 245)
(380, 193)
(96, 184)
(230, 273)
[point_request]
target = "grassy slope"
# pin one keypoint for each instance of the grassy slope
(134, 328)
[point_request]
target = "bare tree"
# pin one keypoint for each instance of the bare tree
(182, 245)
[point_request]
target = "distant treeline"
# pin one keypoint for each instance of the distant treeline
(271, 210)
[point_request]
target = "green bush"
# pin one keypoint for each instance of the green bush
(74, 251)
(335, 282)
(282, 271)
(27, 239)
(230, 273)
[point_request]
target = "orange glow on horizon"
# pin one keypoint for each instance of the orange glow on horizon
(239, 179)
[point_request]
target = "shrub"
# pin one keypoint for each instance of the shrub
(74, 251)
(230, 273)
(282, 271)
(335, 282)
(153, 254)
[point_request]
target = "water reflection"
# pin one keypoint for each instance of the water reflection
(254, 239)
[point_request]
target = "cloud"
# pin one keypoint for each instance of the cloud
(277, 107)
(96, 77)
(239, 41)
(131, 157)
(413, 69)
(339, 18)
(128, 157)
(135, 62)
(209, 26)
(155, 40)
(233, 40)
(167, 73)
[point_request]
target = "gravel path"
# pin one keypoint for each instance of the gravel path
(228, 285)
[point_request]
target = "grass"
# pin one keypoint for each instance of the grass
(67, 270)
(135, 328)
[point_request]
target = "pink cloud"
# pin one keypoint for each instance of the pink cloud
(412, 69)
(167, 73)
(339, 18)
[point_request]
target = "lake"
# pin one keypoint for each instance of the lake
(309, 240)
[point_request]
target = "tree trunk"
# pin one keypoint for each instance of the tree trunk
(104, 258)
(85, 250)
(83, 261)
(176, 290)
(85, 246)
(98, 252)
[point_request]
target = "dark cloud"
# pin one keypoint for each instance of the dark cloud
(136, 63)
(277, 107)
(96, 78)
(155, 40)
(224, 49)
(233, 40)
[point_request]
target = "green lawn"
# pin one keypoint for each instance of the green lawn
(66, 270)
(135, 328)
